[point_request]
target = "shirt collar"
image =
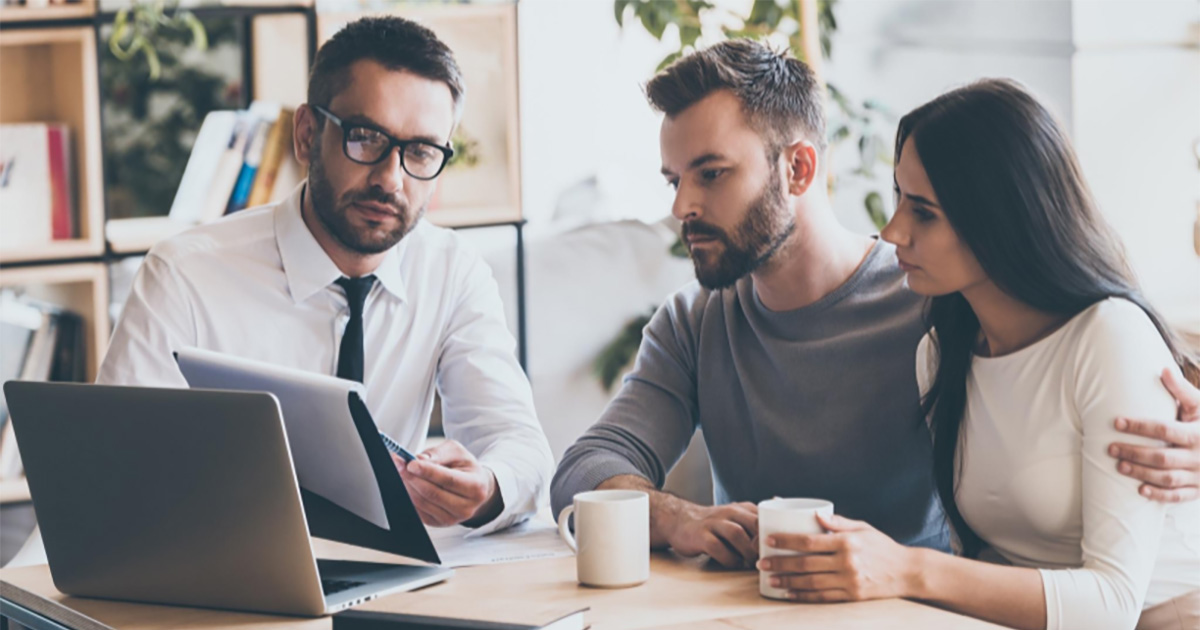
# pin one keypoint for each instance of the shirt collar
(308, 268)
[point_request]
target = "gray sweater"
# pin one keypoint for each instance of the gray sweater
(816, 402)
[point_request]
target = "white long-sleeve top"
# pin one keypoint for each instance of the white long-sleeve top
(1036, 481)
(258, 285)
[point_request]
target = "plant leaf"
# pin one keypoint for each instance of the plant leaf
(668, 60)
(874, 205)
(678, 248)
(619, 10)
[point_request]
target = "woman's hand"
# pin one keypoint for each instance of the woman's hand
(853, 562)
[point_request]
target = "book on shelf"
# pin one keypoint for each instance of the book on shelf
(42, 342)
(277, 150)
(250, 163)
(37, 191)
(239, 159)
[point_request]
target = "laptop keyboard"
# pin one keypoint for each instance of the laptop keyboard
(329, 587)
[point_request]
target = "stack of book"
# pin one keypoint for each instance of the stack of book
(37, 192)
(240, 159)
(41, 342)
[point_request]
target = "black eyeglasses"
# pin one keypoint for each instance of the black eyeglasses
(367, 145)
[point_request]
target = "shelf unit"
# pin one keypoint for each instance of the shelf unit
(68, 54)
(51, 74)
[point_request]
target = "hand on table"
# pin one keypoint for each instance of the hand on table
(727, 533)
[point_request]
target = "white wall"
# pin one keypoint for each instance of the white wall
(582, 108)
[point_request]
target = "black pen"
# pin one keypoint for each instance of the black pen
(395, 447)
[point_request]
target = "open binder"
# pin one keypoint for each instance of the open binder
(351, 489)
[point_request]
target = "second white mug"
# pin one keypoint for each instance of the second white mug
(786, 516)
(612, 537)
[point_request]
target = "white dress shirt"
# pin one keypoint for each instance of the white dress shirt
(1036, 481)
(258, 285)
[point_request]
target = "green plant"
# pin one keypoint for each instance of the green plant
(466, 150)
(620, 351)
(136, 29)
(151, 123)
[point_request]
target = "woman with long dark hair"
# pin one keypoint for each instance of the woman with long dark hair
(1039, 339)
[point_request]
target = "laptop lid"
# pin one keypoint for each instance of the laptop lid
(162, 495)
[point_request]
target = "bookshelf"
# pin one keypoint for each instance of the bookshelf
(51, 74)
(72, 97)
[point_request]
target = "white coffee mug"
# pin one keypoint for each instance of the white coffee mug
(786, 516)
(612, 528)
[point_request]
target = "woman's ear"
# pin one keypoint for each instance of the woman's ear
(304, 133)
(802, 161)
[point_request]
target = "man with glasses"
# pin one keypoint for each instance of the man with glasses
(343, 277)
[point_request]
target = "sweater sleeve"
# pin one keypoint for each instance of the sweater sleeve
(647, 427)
(1116, 374)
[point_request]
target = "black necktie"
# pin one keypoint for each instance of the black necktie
(350, 355)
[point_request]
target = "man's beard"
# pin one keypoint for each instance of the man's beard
(332, 214)
(767, 225)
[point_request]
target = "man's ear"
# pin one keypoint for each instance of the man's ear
(304, 133)
(802, 162)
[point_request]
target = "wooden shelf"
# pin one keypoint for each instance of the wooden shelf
(14, 491)
(55, 12)
(80, 287)
(49, 75)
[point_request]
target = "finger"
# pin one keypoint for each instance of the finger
(815, 563)
(747, 519)
(1174, 433)
(835, 523)
(432, 495)
(721, 552)
(809, 581)
(1185, 394)
(446, 453)
(1166, 479)
(465, 484)
(820, 597)
(430, 519)
(812, 543)
(1169, 496)
(736, 537)
(431, 513)
(1154, 456)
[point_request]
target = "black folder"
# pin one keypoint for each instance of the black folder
(407, 536)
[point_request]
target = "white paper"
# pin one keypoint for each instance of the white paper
(534, 539)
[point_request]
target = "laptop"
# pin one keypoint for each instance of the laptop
(184, 497)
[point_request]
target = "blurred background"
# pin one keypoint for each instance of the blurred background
(160, 116)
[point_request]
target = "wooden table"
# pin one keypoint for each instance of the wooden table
(681, 593)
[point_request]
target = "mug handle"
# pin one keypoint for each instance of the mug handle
(564, 517)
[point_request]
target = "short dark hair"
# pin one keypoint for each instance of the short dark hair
(780, 95)
(394, 42)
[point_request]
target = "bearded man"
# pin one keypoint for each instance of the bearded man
(345, 277)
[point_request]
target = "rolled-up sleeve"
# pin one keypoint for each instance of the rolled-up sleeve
(648, 426)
